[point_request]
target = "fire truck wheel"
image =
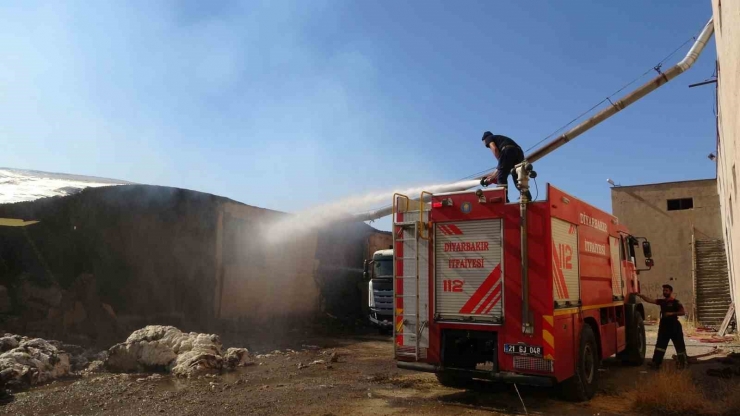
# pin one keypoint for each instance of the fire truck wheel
(448, 380)
(582, 386)
(634, 352)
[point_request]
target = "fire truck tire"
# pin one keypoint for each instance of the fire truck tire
(634, 352)
(582, 386)
(448, 380)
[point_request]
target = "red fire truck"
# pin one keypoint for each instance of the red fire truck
(534, 292)
(461, 295)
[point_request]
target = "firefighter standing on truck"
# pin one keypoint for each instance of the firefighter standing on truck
(670, 328)
(508, 154)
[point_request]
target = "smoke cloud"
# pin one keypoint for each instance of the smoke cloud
(346, 209)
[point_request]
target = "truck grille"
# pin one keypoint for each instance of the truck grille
(383, 295)
(534, 364)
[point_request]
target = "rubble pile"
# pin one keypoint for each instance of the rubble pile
(25, 362)
(166, 348)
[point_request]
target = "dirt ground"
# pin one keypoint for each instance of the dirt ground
(362, 381)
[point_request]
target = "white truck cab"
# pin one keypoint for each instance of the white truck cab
(378, 272)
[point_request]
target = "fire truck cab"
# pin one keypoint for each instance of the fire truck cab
(536, 293)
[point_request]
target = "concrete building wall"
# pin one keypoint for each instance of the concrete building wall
(644, 210)
(727, 38)
(317, 271)
(340, 252)
(378, 241)
(258, 281)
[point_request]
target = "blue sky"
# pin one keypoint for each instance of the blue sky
(287, 105)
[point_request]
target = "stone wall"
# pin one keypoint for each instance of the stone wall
(727, 40)
(260, 281)
(644, 210)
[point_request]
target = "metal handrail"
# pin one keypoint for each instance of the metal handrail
(422, 223)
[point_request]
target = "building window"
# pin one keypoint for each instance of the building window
(680, 204)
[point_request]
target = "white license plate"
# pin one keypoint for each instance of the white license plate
(523, 349)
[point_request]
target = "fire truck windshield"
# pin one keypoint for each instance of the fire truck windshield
(383, 268)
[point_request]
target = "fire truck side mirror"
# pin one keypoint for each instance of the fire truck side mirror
(646, 249)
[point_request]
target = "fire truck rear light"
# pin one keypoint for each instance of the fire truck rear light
(534, 364)
(436, 205)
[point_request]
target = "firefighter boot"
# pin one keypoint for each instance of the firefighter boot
(657, 358)
(652, 365)
(682, 360)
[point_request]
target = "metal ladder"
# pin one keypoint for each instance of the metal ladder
(402, 227)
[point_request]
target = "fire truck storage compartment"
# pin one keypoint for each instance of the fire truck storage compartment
(616, 263)
(566, 282)
(469, 271)
(467, 350)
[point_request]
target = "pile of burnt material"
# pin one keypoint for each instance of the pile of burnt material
(26, 362)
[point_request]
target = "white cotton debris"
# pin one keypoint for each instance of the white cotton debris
(236, 357)
(166, 348)
(26, 362)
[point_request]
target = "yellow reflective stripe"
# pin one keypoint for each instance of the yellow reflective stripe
(549, 319)
(548, 338)
(569, 311)
(605, 305)
(399, 322)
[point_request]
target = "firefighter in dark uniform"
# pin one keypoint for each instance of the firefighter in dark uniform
(670, 328)
(508, 154)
